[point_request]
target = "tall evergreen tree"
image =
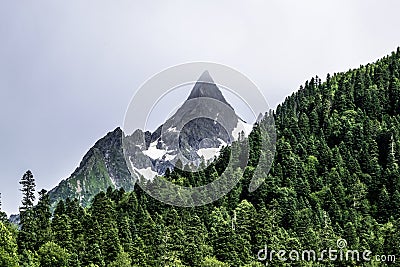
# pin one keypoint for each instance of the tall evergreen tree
(42, 220)
(103, 210)
(27, 234)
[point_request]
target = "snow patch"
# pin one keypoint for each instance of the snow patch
(153, 152)
(113, 182)
(242, 126)
(173, 129)
(216, 119)
(147, 173)
(78, 187)
(169, 157)
(222, 143)
(210, 153)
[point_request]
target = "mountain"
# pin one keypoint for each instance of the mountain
(101, 167)
(195, 133)
(206, 87)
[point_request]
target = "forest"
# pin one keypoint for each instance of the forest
(335, 176)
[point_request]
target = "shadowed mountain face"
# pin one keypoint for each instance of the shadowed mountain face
(201, 126)
(102, 166)
(206, 87)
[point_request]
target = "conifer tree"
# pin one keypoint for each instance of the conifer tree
(61, 229)
(93, 239)
(42, 220)
(27, 235)
(103, 210)
(195, 247)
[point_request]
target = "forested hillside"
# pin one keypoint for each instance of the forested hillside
(335, 176)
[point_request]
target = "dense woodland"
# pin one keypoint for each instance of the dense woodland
(335, 175)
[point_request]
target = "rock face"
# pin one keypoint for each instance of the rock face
(206, 87)
(201, 126)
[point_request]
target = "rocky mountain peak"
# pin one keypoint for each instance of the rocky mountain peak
(206, 87)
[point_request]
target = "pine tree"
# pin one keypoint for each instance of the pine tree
(173, 237)
(61, 228)
(42, 220)
(139, 255)
(103, 210)
(195, 246)
(27, 235)
(243, 222)
(93, 237)
(125, 234)
(222, 237)
(28, 191)
(383, 205)
(396, 205)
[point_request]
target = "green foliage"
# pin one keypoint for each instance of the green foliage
(28, 258)
(42, 220)
(254, 264)
(213, 262)
(8, 247)
(52, 255)
(27, 235)
(122, 260)
(28, 191)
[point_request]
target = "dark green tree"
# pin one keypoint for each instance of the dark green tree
(27, 234)
(42, 220)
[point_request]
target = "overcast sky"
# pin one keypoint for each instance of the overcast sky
(69, 68)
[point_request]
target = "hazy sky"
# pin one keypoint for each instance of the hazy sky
(69, 68)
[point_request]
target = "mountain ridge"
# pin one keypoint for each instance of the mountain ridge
(206, 87)
(102, 166)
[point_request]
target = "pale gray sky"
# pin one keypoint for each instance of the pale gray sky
(69, 68)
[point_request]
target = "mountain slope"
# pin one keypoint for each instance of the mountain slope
(102, 166)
